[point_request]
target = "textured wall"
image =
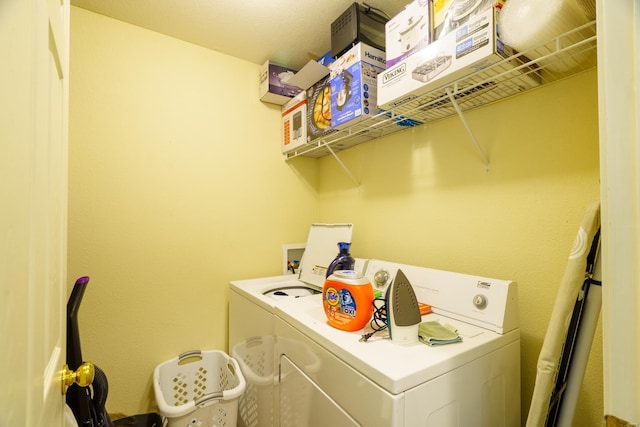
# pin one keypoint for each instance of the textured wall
(426, 199)
(176, 183)
(177, 186)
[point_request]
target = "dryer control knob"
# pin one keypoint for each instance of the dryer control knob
(480, 301)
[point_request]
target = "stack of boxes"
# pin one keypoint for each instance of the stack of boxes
(428, 44)
(463, 40)
(307, 116)
(346, 94)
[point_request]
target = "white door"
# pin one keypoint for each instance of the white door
(34, 45)
(619, 108)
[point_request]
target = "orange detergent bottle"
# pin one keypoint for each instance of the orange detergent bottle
(347, 299)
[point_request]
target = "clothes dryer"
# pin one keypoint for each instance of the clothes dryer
(349, 382)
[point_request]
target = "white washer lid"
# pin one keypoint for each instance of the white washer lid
(320, 250)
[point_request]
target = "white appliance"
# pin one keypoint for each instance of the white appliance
(323, 376)
(252, 312)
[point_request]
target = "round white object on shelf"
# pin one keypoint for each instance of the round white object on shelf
(532, 28)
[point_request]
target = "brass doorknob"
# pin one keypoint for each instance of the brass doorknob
(83, 376)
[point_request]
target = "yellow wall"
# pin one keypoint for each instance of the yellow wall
(177, 186)
(176, 182)
(426, 199)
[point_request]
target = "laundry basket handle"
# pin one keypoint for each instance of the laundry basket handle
(208, 399)
(188, 354)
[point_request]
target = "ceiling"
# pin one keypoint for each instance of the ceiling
(288, 32)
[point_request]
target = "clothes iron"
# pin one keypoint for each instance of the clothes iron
(403, 312)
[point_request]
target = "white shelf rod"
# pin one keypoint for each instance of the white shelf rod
(468, 128)
(353, 178)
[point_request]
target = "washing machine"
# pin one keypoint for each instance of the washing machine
(252, 305)
(329, 377)
(251, 341)
(302, 372)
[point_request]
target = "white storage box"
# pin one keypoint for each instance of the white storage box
(449, 15)
(353, 81)
(294, 123)
(274, 84)
(408, 31)
(470, 48)
(199, 388)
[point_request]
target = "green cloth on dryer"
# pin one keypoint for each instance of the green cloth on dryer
(433, 334)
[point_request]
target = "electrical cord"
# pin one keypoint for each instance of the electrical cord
(375, 10)
(378, 320)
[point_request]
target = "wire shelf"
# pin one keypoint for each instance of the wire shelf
(567, 55)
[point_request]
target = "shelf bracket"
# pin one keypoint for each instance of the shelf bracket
(468, 128)
(335, 156)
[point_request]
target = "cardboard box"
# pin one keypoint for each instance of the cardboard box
(319, 109)
(274, 86)
(294, 123)
(316, 120)
(408, 31)
(470, 48)
(353, 81)
(326, 59)
(449, 15)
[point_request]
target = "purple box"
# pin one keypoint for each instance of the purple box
(273, 83)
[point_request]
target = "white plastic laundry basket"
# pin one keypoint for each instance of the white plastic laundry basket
(255, 357)
(199, 389)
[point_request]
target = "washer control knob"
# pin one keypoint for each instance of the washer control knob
(381, 278)
(480, 301)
